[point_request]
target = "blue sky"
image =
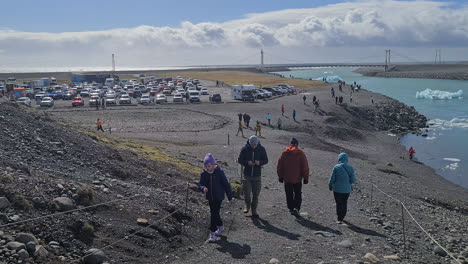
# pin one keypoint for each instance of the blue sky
(145, 33)
(91, 15)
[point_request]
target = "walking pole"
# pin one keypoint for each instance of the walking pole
(404, 233)
(228, 139)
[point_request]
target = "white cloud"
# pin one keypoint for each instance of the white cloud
(351, 25)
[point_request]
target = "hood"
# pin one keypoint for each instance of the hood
(343, 158)
(248, 144)
(291, 149)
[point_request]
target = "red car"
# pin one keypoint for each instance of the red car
(77, 101)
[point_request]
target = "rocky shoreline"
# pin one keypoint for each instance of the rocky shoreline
(70, 166)
(424, 71)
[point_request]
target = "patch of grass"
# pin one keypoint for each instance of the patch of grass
(145, 152)
(240, 77)
(236, 189)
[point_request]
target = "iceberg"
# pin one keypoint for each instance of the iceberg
(448, 124)
(439, 95)
(452, 159)
(329, 78)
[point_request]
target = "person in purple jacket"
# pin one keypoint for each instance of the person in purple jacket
(214, 184)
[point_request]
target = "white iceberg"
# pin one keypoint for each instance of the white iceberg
(439, 95)
(448, 124)
(329, 78)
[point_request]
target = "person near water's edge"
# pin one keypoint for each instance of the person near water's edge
(268, 117)
(214, 184)
(411, 153)
(304, 99)
(293, 170)
(252, 157)
(341, 180)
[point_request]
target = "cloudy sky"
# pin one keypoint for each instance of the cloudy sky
(145, 33)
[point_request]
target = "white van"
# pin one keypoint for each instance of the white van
(244, 92)
(109, 82)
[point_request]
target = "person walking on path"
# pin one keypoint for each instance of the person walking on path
(316, 105)
(294, 115)
(293, 170)
(268, 117)
(99, 125)
(247, 120)
(341, 180)
(240, 116)
(336, 99)
(252, 156)
(304, 99)
(240, 129)
(258, 129)
(244, 116)
(314, 99)
(103, 103)
(279, 123)
(333, 92)
(214, 184)
(282, 109)
(411, 153)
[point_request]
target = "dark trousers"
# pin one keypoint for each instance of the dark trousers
(100, 128)
(341, 200)
(215, 207)
(293, 195)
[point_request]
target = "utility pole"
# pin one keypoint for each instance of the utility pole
(261, 60)
(440, 56)
(113, 63)
(387, 59)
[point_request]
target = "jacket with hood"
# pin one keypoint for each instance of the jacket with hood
(249, 154)
(216, 183)
(292, 165)
(342, 176)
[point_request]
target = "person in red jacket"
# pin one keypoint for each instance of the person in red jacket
(293, 170)
(411, 153)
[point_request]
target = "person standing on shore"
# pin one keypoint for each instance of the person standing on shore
(304, 99)
(294, 115)
(333, 92)
(292, 170)
(99, 125)
(247, 120)
(341, 179)
(336, 99)
(279, 123)
(314, 99)
(240, 128)
(103, 102)
(282, 109)
(252, 156)
(268, 117)
(258, 129)
(214, 184)
(411, 153)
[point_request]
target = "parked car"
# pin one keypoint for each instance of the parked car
(77, 101)
(167, 91)
(267, 93)
(145, 99)
(161, 98)
(47, 102)
(24, 100)
(85, 92)
(125, 99)
(39, 96)
(271, 90)
(178, 98)
(68, 96)
(204, 91)
(94, 100)
(194, 96)
(154, 91)
(181, 91)
(215, 98)
(111, 99)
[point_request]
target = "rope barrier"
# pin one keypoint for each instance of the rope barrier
(83, 208)
(414, 219)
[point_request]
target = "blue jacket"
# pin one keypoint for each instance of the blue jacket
(342, 176)
(217, 185)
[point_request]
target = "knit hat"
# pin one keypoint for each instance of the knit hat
(209, 159)
(253, 140)
(294, 142)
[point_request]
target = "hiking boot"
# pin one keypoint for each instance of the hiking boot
(246, 210)
(255, 215)
(294, 212)
(220, 230)
(212, 237)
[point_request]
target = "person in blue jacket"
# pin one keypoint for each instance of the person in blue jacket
(214, 184)
(341, 180)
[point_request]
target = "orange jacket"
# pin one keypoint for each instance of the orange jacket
(99, 123)
(292, 165)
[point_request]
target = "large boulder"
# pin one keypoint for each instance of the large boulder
(63, 204)
(25, 238)
(4, 203)
(96, 257)
(23, 254)
(16, 246)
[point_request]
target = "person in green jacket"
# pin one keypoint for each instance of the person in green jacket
(341, 180)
